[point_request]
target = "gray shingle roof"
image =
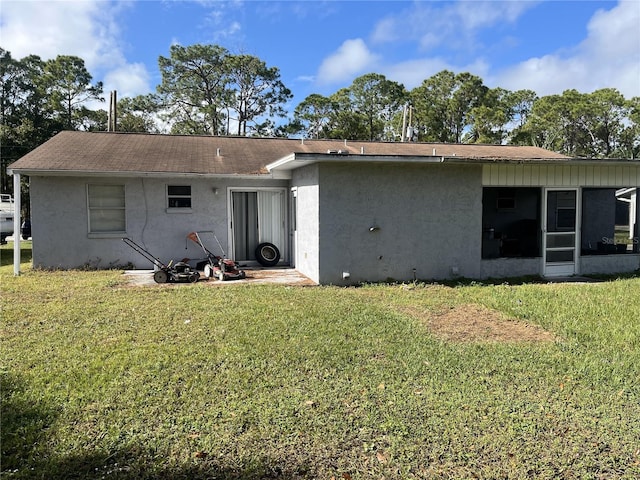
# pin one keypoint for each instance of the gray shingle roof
(101, 152)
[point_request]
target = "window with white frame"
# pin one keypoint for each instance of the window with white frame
(179, 196)
(106, 208)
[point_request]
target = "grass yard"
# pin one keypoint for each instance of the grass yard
(104, 380)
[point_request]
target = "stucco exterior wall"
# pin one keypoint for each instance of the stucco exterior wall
(306, 182)
(381, 222)
(60, 220)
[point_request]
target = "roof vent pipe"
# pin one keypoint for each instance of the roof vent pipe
(361, 150)
(434, 152)
(217, 152)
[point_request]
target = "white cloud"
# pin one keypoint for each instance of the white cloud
(432, 24)
(608, 58)
(87, 29)
(352, 58)
(413, 72)
(129, 80)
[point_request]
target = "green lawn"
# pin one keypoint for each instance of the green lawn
(104, 380)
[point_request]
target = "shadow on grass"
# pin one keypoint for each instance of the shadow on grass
(23, 423)
(535, 279)
(6, 253)
(27, 434)
(137, 463)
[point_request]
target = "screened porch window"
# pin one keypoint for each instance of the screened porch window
(609, 221)
(511, 222)
(106, 208)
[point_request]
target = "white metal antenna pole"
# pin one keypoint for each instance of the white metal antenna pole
(404, 124)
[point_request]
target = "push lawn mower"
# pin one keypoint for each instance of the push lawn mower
(179, 272)
(214, 265)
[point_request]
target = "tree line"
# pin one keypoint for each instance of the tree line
(206, 90)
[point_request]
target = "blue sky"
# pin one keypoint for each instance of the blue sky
(322, 46)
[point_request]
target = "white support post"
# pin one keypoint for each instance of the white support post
(16, 223)
(635, 207)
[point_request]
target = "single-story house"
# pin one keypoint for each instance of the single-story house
(339, 212)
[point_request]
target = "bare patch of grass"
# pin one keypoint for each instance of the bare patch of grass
(477, 323)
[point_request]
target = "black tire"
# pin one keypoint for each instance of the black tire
(161, 276)
(267, 254)
(194, 277)
(201, 265)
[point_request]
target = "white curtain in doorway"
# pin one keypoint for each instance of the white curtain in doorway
(271, 217)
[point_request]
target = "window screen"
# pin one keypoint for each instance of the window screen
(106, 208)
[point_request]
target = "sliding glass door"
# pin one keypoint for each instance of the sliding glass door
(258, 216)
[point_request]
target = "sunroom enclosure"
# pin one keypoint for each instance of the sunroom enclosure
(578, 219)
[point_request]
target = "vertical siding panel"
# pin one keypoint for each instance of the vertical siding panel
(598, 176)
(573, 175)
(589, 175)
(502, 175)
(565, 175)
(510, 173)
(582, 175)
(494, 174)
(548, 175)
(517, 174)
(552, 175)
(609, 175)
(544, 175)
(535, 174)
(509, 176)
(526, 175)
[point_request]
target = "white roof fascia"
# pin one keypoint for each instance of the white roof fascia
(297, 160)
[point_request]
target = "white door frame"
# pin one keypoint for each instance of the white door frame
(552, 241)
(293, 225)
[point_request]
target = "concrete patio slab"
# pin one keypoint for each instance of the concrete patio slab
(255, 275)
